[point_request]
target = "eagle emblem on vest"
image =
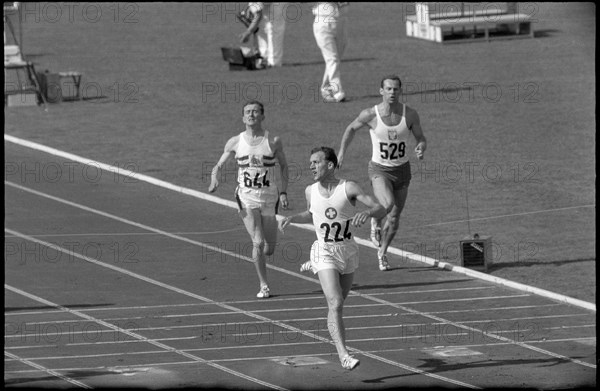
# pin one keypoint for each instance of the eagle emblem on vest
(256, 160)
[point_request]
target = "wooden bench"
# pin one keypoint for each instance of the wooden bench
(491, 22)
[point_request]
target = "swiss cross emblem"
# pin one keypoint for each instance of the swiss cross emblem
(330, 213)
(392, 135)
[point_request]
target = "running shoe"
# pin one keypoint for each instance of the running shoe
(349, 362)
(383, 263)
(264, 292)
(375, 233)
(336, 98)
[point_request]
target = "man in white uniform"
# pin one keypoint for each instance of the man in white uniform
(391, 125)
(258, 197)
(329, 28)
(270, 20)
(334, 255)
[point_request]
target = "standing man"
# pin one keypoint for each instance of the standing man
(270, 20)
(334, 255)
(257, 194)
(329, 29)
(391, 124)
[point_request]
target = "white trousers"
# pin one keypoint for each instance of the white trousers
(270, 34)
(330, 34)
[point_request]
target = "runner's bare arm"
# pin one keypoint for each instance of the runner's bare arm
(228, 153)
(303, 217)
(361, 122)
(355, 192)
(283, 165)
(414, 124)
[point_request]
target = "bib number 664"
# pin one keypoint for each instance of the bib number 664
(257, 181)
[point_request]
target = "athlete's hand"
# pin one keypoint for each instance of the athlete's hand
(284, 200)
(420, 151)
(360, 218)
(244, 37)
(284, 223)
(214, 183)
(340, 160)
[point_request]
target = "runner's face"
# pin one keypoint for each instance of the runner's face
(252, 114)
(391, 91)
(319, 166)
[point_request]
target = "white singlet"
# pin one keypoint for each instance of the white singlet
(256, 164)
(335, 247)
(390, 143)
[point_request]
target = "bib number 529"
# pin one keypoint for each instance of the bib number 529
(392, 151)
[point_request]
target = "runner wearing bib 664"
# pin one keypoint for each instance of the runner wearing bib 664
(258, 196)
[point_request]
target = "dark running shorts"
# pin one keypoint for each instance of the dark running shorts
(399, 176)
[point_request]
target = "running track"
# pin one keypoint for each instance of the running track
(114, 281)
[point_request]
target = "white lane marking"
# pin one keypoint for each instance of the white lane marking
(43, 369)
(258, 358)
(366, 296)
(231, 204)
(222, 305)
(140, 337)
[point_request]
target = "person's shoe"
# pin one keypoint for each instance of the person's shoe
(306, 266)
(337, 98)
(327, 93)
(376, 236)
(349, 362)
(383, 263)
(264, 292)
(260, 63)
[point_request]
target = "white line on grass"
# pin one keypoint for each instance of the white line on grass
(231, 204)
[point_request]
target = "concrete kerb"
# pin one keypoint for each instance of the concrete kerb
(231, 204)
(485, 277)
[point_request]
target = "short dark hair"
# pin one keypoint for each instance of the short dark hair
(254, 102)
(329, 153)
(391, 77)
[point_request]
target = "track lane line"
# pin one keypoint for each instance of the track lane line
(157, 364)
(231, 204)
(251, 314)
(142, 338)
(199, 325)
(242, 335)
(44, 369)
(222, 305)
